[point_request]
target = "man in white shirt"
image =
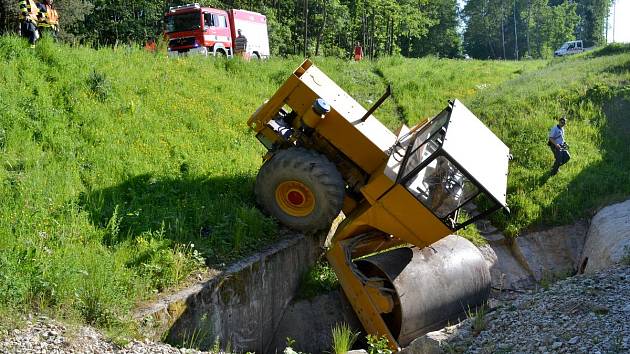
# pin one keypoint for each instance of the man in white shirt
(558, 146)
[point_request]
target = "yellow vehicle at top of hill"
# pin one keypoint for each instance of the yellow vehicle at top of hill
(326, 154)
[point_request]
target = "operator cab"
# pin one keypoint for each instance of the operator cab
(455, 166)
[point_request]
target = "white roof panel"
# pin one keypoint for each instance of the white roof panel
(481, 153)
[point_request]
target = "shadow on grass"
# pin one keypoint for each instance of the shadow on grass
(217, 214)
(619, 69)
(611, 49)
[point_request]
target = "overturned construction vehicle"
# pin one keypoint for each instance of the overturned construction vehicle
(403, 196)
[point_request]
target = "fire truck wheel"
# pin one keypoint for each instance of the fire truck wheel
(300, 188)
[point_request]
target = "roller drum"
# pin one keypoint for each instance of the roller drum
(430, 286)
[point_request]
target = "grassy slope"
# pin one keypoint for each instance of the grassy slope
(422, 87)
(593, 91)
(115, 162)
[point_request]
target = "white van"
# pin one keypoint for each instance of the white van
(568, 48)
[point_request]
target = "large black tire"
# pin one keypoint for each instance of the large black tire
(317, 180)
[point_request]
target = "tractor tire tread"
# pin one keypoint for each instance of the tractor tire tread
(310, 168)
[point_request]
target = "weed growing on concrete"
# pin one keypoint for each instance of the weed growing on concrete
(289, 348)
(321, 278)
(216, 346)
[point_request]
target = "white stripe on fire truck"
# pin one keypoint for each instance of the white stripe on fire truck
(209, 37)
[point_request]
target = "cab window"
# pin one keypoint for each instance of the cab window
(220, 21)
(208, 20)
(442, 187)
(426, 142)
(183, 22)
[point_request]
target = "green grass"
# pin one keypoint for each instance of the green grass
(594, 93)
(321, 278)
(121, 172)
(342, 338)
(421, 88)
(520, 102)
(114, 164)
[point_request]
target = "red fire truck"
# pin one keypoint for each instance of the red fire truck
(195, 29)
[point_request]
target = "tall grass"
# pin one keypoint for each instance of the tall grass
(343, 338)
(113, 165)
(116, 162)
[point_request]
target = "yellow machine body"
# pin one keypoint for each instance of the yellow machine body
(389, 198)
(306, 85)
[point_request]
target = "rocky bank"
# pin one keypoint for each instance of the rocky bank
(581, 314)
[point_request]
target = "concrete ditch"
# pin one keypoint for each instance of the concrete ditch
(250, 306)
(239, 308)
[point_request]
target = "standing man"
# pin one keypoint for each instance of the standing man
(558, 145)
(240, 44)
(358, 52)
(28, 21)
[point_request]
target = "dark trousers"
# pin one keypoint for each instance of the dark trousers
(561, 157)
(29, 30)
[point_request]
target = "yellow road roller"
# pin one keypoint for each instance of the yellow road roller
(403, 195)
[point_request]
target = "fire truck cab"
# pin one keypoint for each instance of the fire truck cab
(193, 29)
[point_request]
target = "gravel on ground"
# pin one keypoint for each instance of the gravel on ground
(43, 335)
(580, 314)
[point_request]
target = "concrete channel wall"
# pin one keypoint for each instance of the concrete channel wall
(239, 308)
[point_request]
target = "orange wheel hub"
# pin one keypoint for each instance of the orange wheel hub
(295, 198)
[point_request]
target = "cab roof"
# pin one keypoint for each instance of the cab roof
(478, 151)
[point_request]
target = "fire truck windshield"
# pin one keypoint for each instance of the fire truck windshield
(183, 22)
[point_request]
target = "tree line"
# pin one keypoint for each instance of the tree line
(514, 29)
(510, 29)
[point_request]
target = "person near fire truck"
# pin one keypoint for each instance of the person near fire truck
(48, 18)
(151, 46)
(240, 44)
(28, 21)
(358, 52)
